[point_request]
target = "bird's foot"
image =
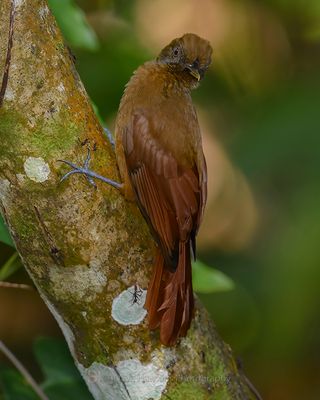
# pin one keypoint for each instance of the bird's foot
(90, 175)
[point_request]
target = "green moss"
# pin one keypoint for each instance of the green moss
(10, 123)
(24, 227)
(220, 374)
(56, 137)
(188, 390)
(89, 339)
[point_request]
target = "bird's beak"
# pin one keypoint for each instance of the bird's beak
(194, 72)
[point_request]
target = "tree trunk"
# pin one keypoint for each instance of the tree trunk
(86, 248)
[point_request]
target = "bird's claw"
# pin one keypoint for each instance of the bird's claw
(84, 170)
(90, 175)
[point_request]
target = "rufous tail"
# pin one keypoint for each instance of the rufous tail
(170, 300)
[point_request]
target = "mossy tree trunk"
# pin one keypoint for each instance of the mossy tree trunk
(85, 249)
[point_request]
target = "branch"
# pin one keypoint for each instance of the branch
(86, 249)
(23, 371)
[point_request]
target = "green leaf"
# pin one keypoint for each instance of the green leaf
(206, 279)
(14, 386)
(62, 379)
(73, 24)
(10, 267)
(4, 233)
(67, 390)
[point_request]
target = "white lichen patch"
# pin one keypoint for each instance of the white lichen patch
(143, 382)
(79, 282)
(128, 380)
(4, 190)
(103, 382)
(127, 308)
(36, 169)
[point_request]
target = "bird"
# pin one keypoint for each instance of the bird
(159, 152)
(163, 168)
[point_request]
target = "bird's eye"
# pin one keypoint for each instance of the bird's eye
(176, 51)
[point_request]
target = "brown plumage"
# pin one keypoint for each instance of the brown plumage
(160, 157)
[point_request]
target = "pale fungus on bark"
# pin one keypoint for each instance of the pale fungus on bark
(127, 380)
(127, 307)
(82, 282)
(36, 169)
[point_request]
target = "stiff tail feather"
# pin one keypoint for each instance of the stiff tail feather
(170, 300)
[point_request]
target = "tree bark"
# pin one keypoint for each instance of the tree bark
(85, 249)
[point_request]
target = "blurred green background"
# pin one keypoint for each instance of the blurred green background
(259, 108)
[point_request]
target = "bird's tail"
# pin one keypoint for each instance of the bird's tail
(170, 300)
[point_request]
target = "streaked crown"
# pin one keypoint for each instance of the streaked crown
(189, 52)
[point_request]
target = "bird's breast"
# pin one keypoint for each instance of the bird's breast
(167, 106)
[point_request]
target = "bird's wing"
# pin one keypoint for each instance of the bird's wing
(170, 197)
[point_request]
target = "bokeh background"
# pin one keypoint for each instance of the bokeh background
(259, 110)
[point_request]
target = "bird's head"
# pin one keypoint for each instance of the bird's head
(189, 55)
